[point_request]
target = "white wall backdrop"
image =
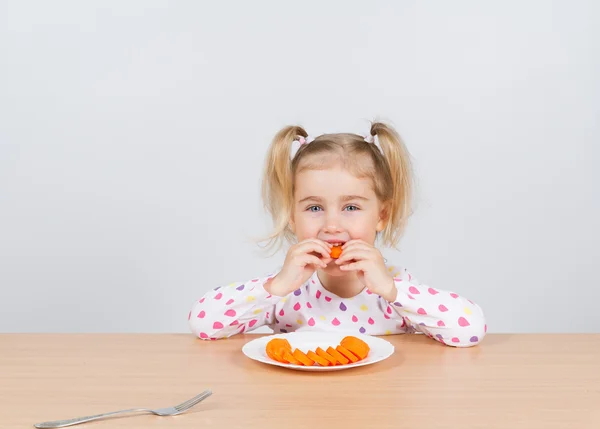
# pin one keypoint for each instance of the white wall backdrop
(132, 135)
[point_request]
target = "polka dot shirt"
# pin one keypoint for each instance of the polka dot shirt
(241, 307)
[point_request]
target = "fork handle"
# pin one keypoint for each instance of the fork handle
(78, 420)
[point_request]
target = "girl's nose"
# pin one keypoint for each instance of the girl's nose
(332, 229)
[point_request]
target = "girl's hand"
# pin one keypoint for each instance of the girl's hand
(370, 268)
(300, 263)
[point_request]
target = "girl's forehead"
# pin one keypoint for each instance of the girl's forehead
(331, 182)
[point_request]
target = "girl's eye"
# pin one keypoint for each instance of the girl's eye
(351, 208)
(314, 209)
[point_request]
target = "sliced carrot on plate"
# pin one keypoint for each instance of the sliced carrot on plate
(355, 345)
(326, 355)
(275, 349)
(337, 355)
(289, 358)
(318, 359)
(347, 354)
(305, 360)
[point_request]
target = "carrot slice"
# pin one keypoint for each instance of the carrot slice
(355, 345)
(326, 355)
(275, 349)
(281, 342)
(337, 355)
(270, 352)
(347, 354)
(305, 360)
(275, 353)
(318, 359)
(336, 252)
(289, 358)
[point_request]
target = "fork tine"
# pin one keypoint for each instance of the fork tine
(190, 400)
(190, 403)
(193, 401)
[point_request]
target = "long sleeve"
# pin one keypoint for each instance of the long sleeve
(444, 316)
(233, 309)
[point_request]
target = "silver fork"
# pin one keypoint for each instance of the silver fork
(171, 411)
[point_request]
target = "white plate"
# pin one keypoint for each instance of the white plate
(307, 340)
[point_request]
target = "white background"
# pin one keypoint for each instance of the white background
(132, 135)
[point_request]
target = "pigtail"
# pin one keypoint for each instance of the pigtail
(277, 184)
(398, 160)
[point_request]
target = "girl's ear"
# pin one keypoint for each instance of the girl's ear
(384, 216)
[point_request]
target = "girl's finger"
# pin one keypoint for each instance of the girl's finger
(354, 266)
(314, 246)
(357, 254)
(313, 260)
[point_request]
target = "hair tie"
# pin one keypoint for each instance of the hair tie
(373, 139)
(296, 144)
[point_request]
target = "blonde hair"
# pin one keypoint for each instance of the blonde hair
(391, 174)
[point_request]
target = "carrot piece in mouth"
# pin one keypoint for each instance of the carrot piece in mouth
(336, 252)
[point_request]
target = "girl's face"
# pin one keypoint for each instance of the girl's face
(335, 206)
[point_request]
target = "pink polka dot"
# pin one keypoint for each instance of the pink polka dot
(202, 300)
(230, 312)
(335, 322)
(442, 308)
(389, 310)
(288, 325)
(318, 294)
(203, 335)
(441, 323)
(252, 322)
(453, 295)
(386, 316)
(190, 315)
(311, 322)
(309, 305)
(217, 325)
(254, 280)
(297, 306)
(421, 311)
(371, 321)
(281, 312)
(354, 319)
(369, 292)
(414, 290)
(432, 291)
(230, 301)
(455, 340)
(484, 328)
(235, 322)
(328, 298)
(463, 322)
(267, 314)
(219, 296)
(243, 328)
(411, 297)
(201, 315)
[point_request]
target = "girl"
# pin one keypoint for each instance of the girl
(338, 190)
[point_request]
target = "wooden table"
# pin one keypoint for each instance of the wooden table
(508, 382)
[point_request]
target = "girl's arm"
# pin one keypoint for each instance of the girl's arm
(233, 309)
(444, 316)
